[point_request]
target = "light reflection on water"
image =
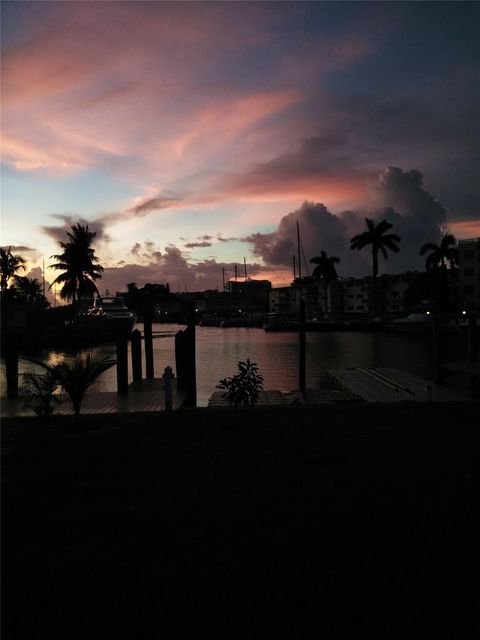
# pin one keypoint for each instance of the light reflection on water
(219, 350)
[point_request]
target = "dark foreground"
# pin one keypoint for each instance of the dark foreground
(294, 523)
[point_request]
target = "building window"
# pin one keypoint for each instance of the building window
(470, 271)
(469, 288)
(468, 255)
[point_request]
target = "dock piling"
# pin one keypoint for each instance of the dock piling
(167, 379)
(136, 342)
(471, 338)
(122, 365)
(301, 350)
(147, 334)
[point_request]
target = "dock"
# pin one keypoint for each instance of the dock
(386, 384)
(381, 385)
(144, 396)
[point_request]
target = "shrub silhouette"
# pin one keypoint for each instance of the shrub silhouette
(39, 393)
(75, 378)
(244, 387)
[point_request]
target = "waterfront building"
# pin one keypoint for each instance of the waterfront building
(251, 296)
(469, 273)
(347, 298)
(282, 301)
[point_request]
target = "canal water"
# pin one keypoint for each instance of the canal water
(276, 353)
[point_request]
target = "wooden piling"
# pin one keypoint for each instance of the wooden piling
(471, 338)
(301, 346)
(185, 360)
(136, 344)
(180, 360)
(192, 367)
(147, 336)
(435, 325)
(167, 381)
(122, 365)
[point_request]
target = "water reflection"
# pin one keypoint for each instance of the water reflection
(219, 350)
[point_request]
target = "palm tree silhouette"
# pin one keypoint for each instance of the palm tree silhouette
(325, 270)
(76, 377)
(9, 265)
(30, 291)
(376, 236)
(79, 264)
(441, 254)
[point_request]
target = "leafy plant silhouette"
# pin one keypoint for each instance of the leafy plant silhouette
(39, 394)
(244, 387)
(75, 378)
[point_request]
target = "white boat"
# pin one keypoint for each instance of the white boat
(111, 312)
(411, 323)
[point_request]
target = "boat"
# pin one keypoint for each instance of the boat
(111, 313)
(412, 323)
(422, 322)
(278, 323)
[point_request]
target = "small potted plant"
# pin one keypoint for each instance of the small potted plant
(244, 387)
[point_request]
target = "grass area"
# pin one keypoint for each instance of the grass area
(282, 522)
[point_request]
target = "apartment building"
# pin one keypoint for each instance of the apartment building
(469, 273)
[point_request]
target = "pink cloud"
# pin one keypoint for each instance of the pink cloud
(465, 229)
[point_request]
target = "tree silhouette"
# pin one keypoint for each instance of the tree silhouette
(29, 291)
(376, 235)
(76, 377)
(439, 255)
(79, 264)
(325, 270)
(9, 265)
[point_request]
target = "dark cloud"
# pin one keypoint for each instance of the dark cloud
(135, 250)
(319, 229)
(195, 245)
(417, 216)
(352, 133)
(173, 267)
(153, 204)
(221, 239)
(318, 159)
(146, 252)
(397, 196)
(15, 248)
(59, 233)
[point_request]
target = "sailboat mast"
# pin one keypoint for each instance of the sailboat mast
(245, 268)
(298, 248)
(294, 267)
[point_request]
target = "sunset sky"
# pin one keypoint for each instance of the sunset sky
(192, 135)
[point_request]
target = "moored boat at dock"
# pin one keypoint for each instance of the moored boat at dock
(111, 313)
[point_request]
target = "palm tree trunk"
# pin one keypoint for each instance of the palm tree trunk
(326, 292)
